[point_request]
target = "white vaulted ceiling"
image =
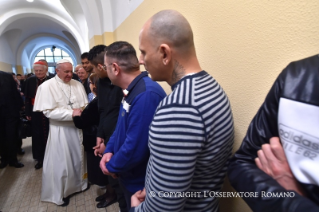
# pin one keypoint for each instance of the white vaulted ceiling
(27, 27)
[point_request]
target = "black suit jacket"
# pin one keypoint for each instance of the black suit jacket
(109, 102)
(87, 86)
(89, 121)
(51, 75)
(10, 98)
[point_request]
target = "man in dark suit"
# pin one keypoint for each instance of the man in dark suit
(84, 77)
(75, 73)
(10, 105)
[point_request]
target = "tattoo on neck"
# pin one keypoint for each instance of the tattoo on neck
(178, 72)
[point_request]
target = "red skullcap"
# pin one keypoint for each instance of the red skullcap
(40, 63)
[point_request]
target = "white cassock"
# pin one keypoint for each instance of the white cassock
(64, 165)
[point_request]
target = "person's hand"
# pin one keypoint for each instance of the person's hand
(138, 198)
(76, 112)
(98, 150)
(114, 175)
(99, 141)
(106, 158)
(272, 160)
(28, 118)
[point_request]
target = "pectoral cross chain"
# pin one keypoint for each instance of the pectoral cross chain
(70, 103)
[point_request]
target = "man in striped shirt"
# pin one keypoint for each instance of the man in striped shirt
(191, 135)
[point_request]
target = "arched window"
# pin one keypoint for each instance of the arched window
(52, 55)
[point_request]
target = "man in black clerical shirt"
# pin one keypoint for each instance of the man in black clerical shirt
(10, 105)
(39, 123)
(109, 102)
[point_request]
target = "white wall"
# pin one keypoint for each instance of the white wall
(6, 54)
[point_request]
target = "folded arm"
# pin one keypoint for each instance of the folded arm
(244, 174)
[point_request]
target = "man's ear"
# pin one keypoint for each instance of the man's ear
(166, 53)
(99, 67)
(116, 69)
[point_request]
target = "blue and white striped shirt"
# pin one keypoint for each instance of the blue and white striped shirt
(190, 141)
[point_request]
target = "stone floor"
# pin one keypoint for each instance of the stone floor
(20, 190)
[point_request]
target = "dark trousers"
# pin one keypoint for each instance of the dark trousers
(95, 175)
(8, 138)
(40, 132)
(19, 144)
(119, 193)
(127, 195)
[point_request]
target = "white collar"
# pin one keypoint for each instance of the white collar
(60, 80)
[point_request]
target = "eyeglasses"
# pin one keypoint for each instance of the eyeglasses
(105, 66)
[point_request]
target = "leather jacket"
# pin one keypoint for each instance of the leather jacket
(291, 112)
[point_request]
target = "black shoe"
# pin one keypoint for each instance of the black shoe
(16, 164)
(66, 202)
(101, 198)
(21, 152)
(3, 165)
(38, 165)
(105, 203)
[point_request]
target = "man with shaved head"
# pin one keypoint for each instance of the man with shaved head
(83, 75)
(77, 67)
(191, 135)
(75, 73)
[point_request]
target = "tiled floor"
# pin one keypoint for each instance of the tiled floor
(20, 190)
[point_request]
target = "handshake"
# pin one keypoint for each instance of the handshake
(77, 112)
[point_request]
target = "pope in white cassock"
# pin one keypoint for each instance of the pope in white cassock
(64, 165)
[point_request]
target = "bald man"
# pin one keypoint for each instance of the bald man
(75, 73)
(191, 135)
(83, 75)
(77, 68)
